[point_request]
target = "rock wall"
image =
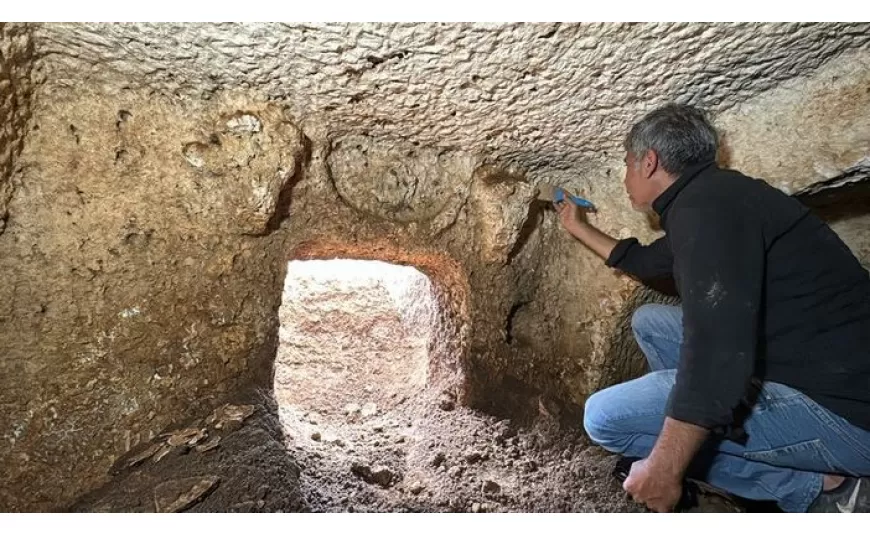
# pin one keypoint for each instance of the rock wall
(548, 97)
(170, 172)
(138, 281)
(16, 62)
(807, 134)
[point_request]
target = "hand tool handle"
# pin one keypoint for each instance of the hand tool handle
(559, 195)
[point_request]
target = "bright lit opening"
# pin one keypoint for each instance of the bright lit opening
(352, 333)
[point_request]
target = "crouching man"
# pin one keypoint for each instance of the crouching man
(759, 382)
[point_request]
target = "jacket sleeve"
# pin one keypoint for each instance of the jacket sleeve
(720, 263)
(645, 262)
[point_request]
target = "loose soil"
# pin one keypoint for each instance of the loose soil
(424, 455)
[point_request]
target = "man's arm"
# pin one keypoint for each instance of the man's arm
(597, 241)
(720, 257)
(646, 263)
(676, 446)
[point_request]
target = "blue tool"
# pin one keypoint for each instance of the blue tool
(559, 195)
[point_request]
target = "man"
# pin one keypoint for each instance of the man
(760, 381)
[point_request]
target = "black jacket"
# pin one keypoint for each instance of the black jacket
(769, 292)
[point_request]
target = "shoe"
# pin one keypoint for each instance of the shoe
(853, 495)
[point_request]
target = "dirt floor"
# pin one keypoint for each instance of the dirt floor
(425, 455)
(351, 425)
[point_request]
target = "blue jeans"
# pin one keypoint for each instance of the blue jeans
(792, 440)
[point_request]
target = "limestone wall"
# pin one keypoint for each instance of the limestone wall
(16, 60)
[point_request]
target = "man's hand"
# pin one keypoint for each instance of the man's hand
(574, 220)
(657, 481)
(653, 486)
(569, 215)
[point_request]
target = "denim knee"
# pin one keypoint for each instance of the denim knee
(597, 414)
(615, 417)
(645, 317)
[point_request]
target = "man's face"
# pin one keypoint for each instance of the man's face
(638, 184)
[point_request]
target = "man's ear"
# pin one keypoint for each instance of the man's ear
(650, 163)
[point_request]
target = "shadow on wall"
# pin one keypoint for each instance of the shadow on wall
(846, 208)
(849, 201)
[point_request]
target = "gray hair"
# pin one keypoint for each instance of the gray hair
(679, 134)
